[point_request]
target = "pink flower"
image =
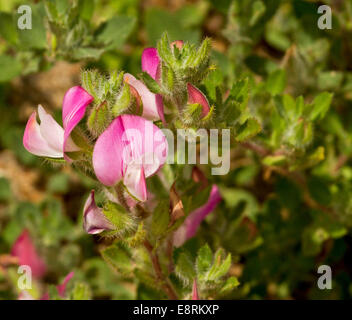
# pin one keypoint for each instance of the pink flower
(196, 96)
(74, 106)
(191, 224)
(153, 108)
(151, 62)
(49, 139)
(94, 218)
(26, 253)
(129, 150)
(45, 139)
(152, 103)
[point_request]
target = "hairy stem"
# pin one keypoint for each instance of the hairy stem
(121, 197)
(168, 289)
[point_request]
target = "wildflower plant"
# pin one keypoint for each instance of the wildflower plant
(113, 131)
(109, 134)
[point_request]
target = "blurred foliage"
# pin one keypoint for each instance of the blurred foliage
(283, 86)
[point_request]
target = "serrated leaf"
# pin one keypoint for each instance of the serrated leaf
(230, 284)
(118, 257)
(220, 267)
(185, 268)
(248, 130)
(204, 260)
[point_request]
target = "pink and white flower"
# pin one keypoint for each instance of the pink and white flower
(94, 220)
(131, 149)
(48, 138)
(153, 107)
(45, 139)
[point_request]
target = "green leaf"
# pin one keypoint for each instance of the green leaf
(230, 284)
(185, 268)
(320, 106)
(274, 160)
(87, 53)
(276, 82)
(160, 218)
(248, 130)
(5, 190)
(118, 257)
(204, 259)
(258, 10)
(115, 32)
(240, 92)
(8, 28)
(220, 267)
(10, 68)
(151, 84)
(81, 291)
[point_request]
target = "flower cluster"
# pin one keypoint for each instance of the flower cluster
(121, 141)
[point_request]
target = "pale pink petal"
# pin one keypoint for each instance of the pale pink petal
(129, 139)
(195, 291)
(51, 130)
(74, 107)
(152, 103)
(191, 224)
(36, 143)
(94, 220)
(134, 180)
(150, 62)
(26, 253)
(196, 96)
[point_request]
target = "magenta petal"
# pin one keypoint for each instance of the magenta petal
(74, 107)
(196, 96)
(61, 288)
(195, 218)
(153, 108)
(26, 253)
(150, 62)
(94, 220)
(129, 139)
